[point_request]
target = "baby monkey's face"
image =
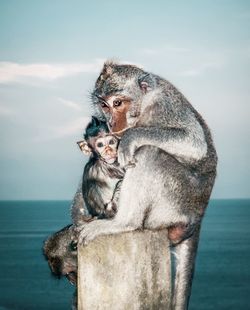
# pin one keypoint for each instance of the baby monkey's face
(106, 147)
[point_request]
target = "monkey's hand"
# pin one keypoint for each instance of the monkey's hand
(110, 209)
(92, 230)
(126, 150)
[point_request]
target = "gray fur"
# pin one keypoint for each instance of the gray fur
(175, 168)
(79, 211)
(99, 186)
(97, 194)
(60, 251)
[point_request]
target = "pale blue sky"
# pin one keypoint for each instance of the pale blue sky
(51, 53)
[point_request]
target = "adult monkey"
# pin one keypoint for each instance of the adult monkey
(174, 163)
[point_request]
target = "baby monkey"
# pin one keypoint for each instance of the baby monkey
(102, 175)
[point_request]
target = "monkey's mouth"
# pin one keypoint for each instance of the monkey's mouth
(72, 277)
(118, 134)
(111, 159)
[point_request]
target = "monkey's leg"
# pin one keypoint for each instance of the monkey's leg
(185, 253)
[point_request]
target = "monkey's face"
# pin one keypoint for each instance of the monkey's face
(106, 147)
(117, 111)
(60, 250)
(118, 95)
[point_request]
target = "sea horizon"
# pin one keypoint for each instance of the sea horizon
(69, 200)
(221, 280)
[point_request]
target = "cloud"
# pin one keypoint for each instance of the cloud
(70, 104)
(200, 69)
(15, 72)
(5, 111)
(73, 128)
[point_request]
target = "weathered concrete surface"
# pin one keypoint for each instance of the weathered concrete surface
(129, 271)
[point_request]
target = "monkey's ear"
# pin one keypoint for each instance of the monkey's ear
(83, 145)
(146, 82)
(107, 69)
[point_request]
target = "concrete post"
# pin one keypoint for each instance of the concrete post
(129, 271)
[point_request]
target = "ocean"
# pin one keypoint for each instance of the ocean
(221, 281)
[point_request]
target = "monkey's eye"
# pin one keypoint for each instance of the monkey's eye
(73, 246)
(104, 105)
(117, 103)
(112, 141)
(99, 144)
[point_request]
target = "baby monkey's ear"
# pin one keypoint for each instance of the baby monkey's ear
(83, 145)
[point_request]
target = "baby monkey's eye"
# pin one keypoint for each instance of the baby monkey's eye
(99, 144)
(112, 142)
(117, 103)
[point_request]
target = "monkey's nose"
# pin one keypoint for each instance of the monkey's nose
(108, 150)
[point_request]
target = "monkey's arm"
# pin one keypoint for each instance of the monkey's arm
(79, 211)
(111, 207)
(187, 143)
(117, 190)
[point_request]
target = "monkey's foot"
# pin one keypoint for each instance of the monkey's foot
(94, 229)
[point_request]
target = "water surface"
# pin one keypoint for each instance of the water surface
(222, 278)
